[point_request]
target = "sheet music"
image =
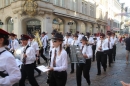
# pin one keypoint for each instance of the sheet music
(43, 68)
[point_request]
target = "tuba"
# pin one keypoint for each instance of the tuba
(37, 38)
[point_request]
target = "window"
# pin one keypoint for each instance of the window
(62, 3)
(46, 0)
(7, 2)
(86, 9)
(56, 2)
(92, 11)
(82, 7)
(100, 14)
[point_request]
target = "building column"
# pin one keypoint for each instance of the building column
(66, 26)
(78, 26)
(46, 25)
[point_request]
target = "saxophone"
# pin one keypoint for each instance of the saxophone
(37, 38)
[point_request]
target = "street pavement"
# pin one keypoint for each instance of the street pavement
(120, 71)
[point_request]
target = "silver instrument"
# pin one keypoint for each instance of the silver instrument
(76, 55)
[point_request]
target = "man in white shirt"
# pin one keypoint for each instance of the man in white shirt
(110, 46)
(101, 54)
(115, 41)
(95, 39)
(35, 46)
(44, 43)
(67, 43)
(14, 43)
(28, 58)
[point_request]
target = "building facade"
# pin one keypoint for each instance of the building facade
(25, 16)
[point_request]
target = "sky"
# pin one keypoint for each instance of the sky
(127, 2)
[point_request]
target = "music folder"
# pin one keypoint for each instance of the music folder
(43, 68)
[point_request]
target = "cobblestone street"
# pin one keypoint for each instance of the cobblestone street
(119, 71)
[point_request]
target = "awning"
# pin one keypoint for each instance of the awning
(73, 17)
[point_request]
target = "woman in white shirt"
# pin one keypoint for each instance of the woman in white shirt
(59, 62)
(9, 72)
(84, 67)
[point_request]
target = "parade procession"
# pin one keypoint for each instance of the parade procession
(64, 42)
(76, 49)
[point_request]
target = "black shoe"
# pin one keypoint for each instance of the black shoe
(104, 69)
(99, 74)
(39, 73)
(71, 72)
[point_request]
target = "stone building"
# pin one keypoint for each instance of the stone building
(26, 16)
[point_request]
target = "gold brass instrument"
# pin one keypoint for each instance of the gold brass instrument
(37, 38)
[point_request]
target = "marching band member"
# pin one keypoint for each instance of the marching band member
(115, 41)
(44, 42)
(59, 62)
(101, 54)
(51, 42)
(74, 42)
(95, 39)
(9, 72)
(90, 39)
(110, 46)
(14, 43)
(34, 45)
(28, 58)
(84, 67)
(67, 43)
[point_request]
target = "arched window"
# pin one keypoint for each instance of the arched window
(10, 25)
(58, 24)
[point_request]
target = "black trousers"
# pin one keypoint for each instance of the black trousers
(110, 56)
(114, 53)
(41, 53)
(35, 67)
(58, 78)
(101, 60)
(69, 53)
(85, 68)
(94, 48)
(28, 70)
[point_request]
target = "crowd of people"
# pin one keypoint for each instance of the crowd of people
(97, 47)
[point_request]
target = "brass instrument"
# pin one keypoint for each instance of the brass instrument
(37, 38)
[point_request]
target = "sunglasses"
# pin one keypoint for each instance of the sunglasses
(54, 40)
(101, 37)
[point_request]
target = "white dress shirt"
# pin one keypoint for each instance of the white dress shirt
(80, 37)
(104, 45)
(110, 43)
(94, 41)
(61, 60)
(8, 64)
(34, 45)
(14, 44)
(75, 42)
(44, 41)
(30, 52)
(51, 45)
(87, 50)
(68, 41)
(114, 40)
